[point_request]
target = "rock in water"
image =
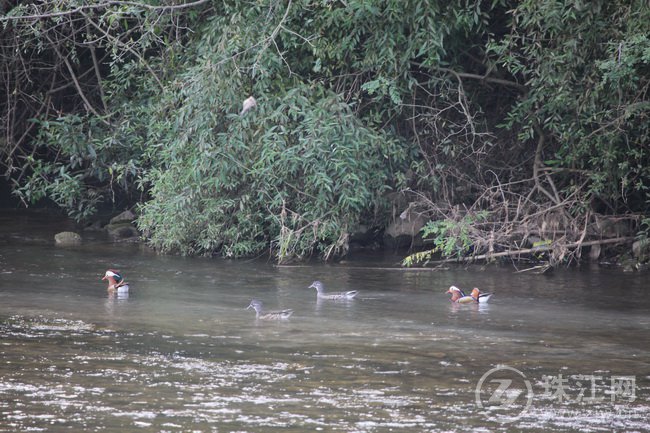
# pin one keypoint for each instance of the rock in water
(67, 238)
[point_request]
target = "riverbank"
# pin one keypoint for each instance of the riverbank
(40, 226)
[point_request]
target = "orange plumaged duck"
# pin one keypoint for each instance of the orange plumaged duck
(481, 298)
(116, 282)
(459, 297)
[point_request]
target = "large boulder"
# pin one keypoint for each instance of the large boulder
(121, 227)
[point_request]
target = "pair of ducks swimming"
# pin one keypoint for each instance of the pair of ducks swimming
(284, 314)
(476, 297)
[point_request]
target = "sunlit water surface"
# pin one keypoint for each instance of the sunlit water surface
(181, 353)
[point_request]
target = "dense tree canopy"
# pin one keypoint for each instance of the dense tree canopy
(495, 121)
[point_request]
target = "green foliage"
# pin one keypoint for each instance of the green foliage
(355, 99)
(644, 232)
(588, 91)
(80, 158)
(87, 160)
(298, 171)
(451, 238)
(301, 168)
(294, 173)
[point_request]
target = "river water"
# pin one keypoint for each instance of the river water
(568, 351)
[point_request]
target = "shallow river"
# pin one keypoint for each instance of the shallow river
(568, 351)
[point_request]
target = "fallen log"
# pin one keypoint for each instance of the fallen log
(511, 253)
(541, 248)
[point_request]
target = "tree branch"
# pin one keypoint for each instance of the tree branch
(76, 83)
(471, 76)
(101, 6)
(128, 48)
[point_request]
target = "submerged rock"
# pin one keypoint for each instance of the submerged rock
(67, 238)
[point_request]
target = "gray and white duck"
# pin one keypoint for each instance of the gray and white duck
(335, 296)
(268, 315)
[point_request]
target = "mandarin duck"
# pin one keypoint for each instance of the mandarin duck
(481, 298)
(459, 297)
(116, 282)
